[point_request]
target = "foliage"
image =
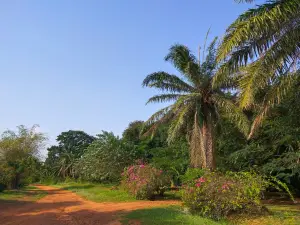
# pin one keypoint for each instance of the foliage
(62, 159)
(105, 159)
(191, 175)
(268, 33)
(133, 131)
(145, 181)
(261, 50)
(217, 195)
(274, 150)
(196, 103)
(19, 152)
(173, 159)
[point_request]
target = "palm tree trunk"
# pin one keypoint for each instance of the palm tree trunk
(197, 146)
(202, 144)
(208, 142)
(210, 153)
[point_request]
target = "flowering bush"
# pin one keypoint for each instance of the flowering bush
(145, 181)
(217, 195)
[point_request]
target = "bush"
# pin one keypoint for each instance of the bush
(145, 181)
(105, 159)
(217, 195)
(191, 175)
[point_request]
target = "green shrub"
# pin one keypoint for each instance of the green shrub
(191, 175)
(145, 181)
(218, 195)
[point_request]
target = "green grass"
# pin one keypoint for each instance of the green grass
(28, 193)
(280, 215)
(105, 193)
(166, 216)
(97, 192)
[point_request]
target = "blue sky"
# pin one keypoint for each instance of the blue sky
(70, 64)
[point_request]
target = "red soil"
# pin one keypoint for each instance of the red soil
(61, 207)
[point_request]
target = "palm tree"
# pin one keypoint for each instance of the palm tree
(263, 46)
(197, 105)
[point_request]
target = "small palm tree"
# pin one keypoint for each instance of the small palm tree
(197, 105)
(263, 46)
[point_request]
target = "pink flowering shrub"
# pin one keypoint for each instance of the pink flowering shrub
(145, 181)
(217, 195)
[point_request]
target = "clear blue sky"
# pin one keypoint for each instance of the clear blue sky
(70, 64)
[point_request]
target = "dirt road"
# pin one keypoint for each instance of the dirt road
(61, 207)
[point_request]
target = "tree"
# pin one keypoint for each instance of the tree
(19, 153)
(105, 159)
(133, 131)
(262, 47)
(197, 104)
(71, 146)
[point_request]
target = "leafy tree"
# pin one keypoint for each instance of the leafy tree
(19, 155)
(71, 146)
(133, 131)
(197, 104)
(105, 159)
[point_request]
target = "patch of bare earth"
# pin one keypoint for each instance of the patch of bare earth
(61, 207)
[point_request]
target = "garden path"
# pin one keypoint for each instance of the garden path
(62, 207)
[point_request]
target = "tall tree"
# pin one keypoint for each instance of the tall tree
(263, 46)
(71, 146)
(133, 131)
(197, 104)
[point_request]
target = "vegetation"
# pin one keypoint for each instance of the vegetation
(217, 195)
(144, 181)
(231, 131)
(197, 104)
(97, 192)
(19, 162)
(166, 216)
(280, 215)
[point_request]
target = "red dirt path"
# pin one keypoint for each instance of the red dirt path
(61, 207)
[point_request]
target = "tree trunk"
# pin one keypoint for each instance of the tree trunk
(210, 153)
(197, 146)
(202, 144)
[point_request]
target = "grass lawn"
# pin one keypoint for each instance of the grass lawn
(281, 215)
(166, 216)
(105, 193)
(96, 192)
(28, 193)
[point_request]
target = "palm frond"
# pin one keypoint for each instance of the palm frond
(177, 123)
(166, 82)
(258, 29)
(273, 97)
(164, 98)
(232, 112)
(254, 78)
(182, 59)
(210, 63)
